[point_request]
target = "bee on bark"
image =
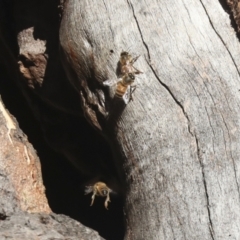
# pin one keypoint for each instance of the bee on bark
(126, 62)
(99, 189)
(126, 73)
(122, 86)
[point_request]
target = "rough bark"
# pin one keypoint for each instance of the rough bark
(21, 181)
(179, 139)
(45, 227)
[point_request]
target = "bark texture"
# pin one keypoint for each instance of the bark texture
(45, 227)
(21, 181)
(179, 139)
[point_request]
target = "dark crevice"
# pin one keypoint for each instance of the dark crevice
(221, 39)
(228, 10)
(3, 216)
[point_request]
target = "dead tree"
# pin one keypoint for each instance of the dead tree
(178, 141)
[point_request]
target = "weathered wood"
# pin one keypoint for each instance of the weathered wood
(179, 138)
(22, 225)
(20, 172)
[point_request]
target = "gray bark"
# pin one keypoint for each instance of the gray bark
(179, 139)
(22, 225)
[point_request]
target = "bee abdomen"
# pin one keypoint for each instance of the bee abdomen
(121, 90)
(119, 94)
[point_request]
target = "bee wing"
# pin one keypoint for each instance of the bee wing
(126, 96)
(109, 82)
(88, 189)
(113, 192)
(135, 59)
(136, 70)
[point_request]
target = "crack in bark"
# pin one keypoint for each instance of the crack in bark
(186, 70)
(205, 187)
(234, 164)
(155, 74)
(183, 110)
(189, 16)
(174, 98)
(110, 26)
(212, 131)
(178, 219)
(170, 211)
(221, 39)
(139, 29)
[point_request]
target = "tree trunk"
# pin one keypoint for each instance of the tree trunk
(178, 141)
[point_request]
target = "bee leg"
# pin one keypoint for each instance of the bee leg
(137, 71)
(93, 197)
(134, 59)
(132, 89)
(106, 201)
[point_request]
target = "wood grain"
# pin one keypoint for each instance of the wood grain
(178, 141)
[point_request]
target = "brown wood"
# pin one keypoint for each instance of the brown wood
(20, 171)
(179, 138)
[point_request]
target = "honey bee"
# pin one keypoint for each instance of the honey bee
(126, 72)
(122, 86)
(126, 62)
(99, 189)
